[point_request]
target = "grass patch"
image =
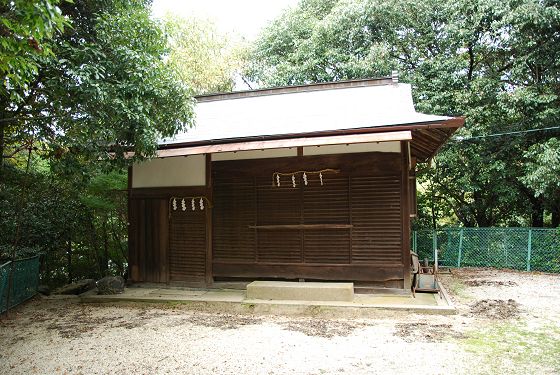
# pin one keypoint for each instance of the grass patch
(516, 348)
(458, 288)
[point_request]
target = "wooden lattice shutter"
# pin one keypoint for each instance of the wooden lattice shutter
(187, 245)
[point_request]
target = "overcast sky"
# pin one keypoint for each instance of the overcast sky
(243, 17)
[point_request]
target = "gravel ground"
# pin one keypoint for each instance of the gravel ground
(498, 310)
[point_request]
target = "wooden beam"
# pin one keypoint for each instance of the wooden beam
(302, 226)
(355, 272)
(285, 143)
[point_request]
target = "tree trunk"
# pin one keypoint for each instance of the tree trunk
(94, 244)
(105, 258)
(537, 213)
(69, 259)
(555, 218)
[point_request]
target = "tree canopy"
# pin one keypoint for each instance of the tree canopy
(204, 59)
(495, 62)
(105, 89)
(84, 82)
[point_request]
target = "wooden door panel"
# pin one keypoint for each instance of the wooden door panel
(187, 246)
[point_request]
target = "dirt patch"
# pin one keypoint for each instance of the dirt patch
(425, 332)
(221, 321)
(322, 328)
(477, 282)
(495, 309)
(87, 319)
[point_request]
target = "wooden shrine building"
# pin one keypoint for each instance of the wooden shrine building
(312, 182)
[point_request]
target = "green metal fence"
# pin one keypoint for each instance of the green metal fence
(24, 281)
(530, 249)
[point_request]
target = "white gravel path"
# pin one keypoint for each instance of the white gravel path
(58, 337)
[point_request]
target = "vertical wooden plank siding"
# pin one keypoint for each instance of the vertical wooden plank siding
(151, 259)
(350, 228)
(163, 241)
(187, 247)
(353, 227)
(151, 240)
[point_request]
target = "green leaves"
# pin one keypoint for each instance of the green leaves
(543, 169)
(203, 59)
(495, 62)
(27, 28)
(108, 91)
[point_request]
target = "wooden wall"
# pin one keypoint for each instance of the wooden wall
(148, 239)
(354, 227)
(167, 246)
(351, 228)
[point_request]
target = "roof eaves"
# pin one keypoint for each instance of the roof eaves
(454, 122)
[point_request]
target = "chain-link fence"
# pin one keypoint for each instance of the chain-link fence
(530, 249)
(24, 281)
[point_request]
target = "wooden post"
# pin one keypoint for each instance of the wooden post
(405, 211)
(130, 230)
(209, 212)
(529, 248)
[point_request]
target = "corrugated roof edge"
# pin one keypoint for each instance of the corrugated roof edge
(297, 88)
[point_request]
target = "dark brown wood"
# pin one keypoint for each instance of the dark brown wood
(357, 272)
(256, 223)
(351, 228)
(188, 246)
(130, 178)
(150, 259)
(405, 213)
(376, 205)
(426, 142)
(358, 164)
(131, 229)
(302, 226)
(148, 240)
(208, 277)
(163, 234)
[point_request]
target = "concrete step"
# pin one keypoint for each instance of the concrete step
(300, 291)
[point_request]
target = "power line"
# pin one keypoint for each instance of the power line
(463, 139)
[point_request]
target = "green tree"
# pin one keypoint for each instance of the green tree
(27, 28)
(204, 59)
(105, 89)
(495, 62)
(108, 91)
(542, 174)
